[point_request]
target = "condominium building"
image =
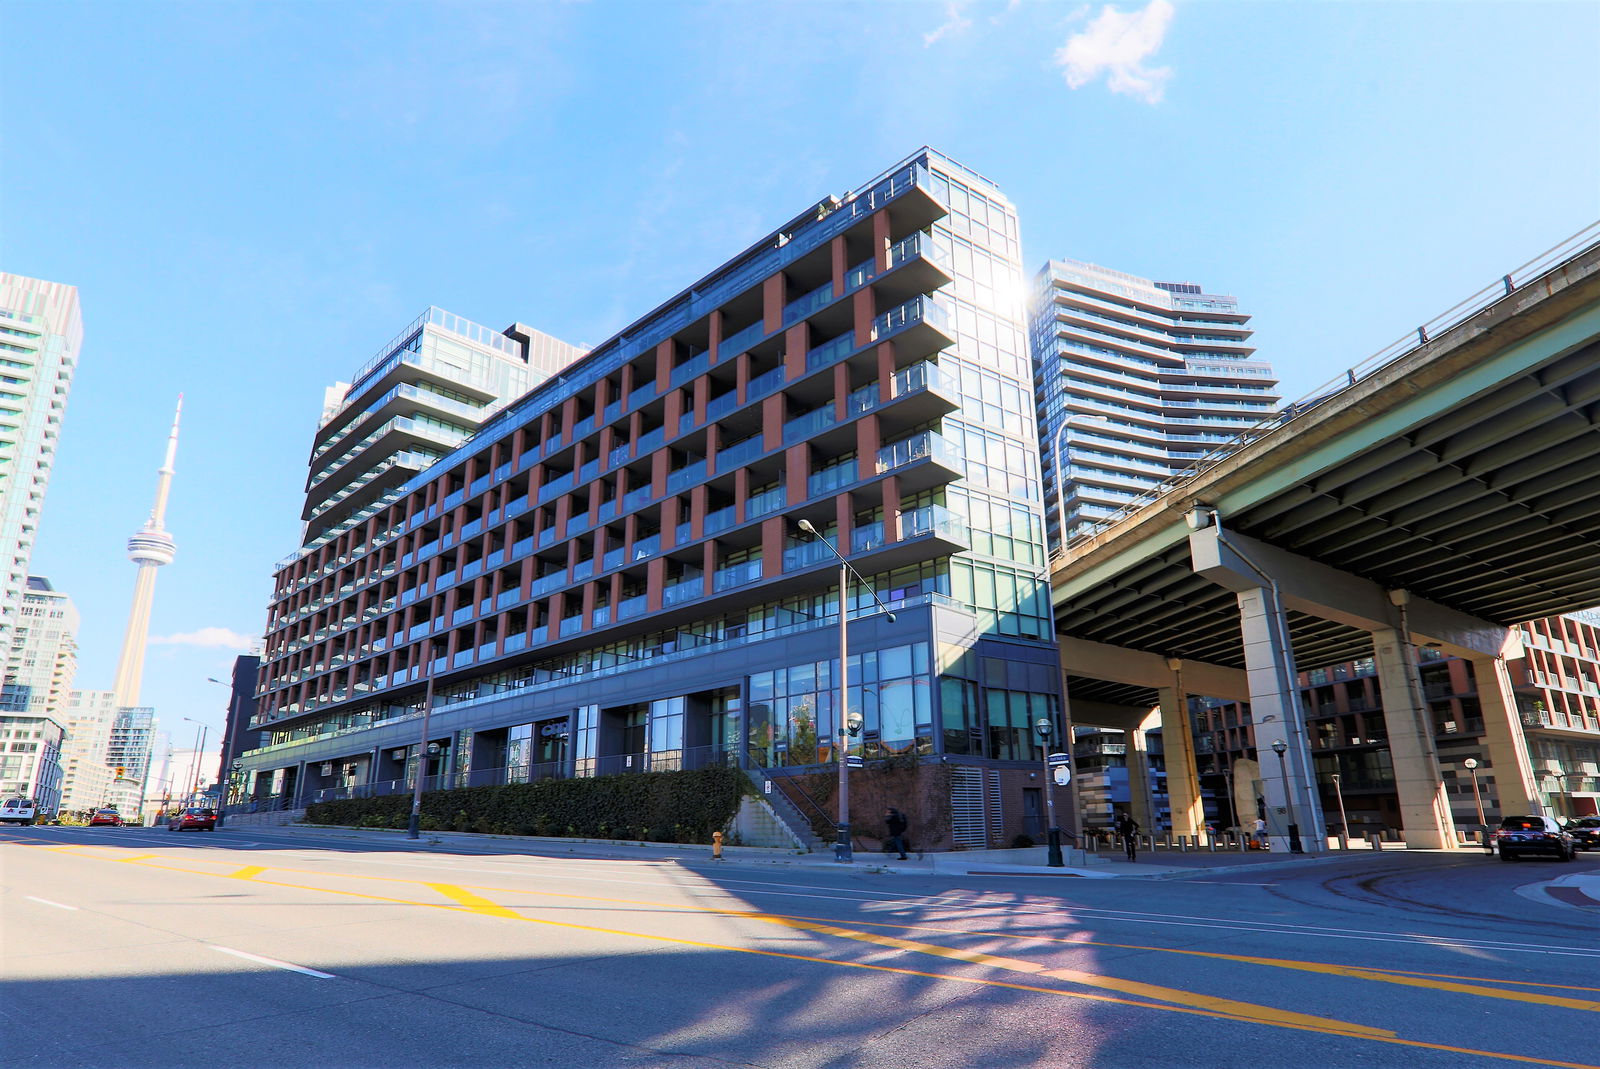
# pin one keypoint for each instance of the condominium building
(128, 753)
(611, 574)
(422, 395)
(40, 335)
(30, 760)
(88, 777)
(1136, 380)
(43, 655)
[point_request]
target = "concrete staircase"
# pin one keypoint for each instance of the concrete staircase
(785, 820)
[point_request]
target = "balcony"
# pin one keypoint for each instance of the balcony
(740, 340)
(919, 323)
(922, 461)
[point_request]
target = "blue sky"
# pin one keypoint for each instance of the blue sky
(253, 198)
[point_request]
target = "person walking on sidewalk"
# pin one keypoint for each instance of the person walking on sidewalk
(896, 823)
(1128, 828)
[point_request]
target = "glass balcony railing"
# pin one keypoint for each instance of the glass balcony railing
(925, 446)
(916, 310)
(801, 307)
(690, 368)
(683, 591)
(805, 554)
(740, 453)
(720, 520)
(835, 476)
(686, 477)
(867, 537)
(765, 383)
(933, 519)
(803, 427)
(740, 340)
(830, 351)
(736, 575)
(765, 502)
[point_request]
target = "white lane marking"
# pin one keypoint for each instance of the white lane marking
(47, 902)
(276, 964)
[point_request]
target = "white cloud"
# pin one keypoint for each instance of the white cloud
(1117, 45)
(208, 637)
(954, 22)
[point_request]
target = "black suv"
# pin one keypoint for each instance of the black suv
(1585, 832)
(1518, 836)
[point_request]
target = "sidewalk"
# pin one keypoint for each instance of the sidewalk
(1157, 865)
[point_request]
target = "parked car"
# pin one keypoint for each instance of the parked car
(108, 815)
(1585, 832)
(1523, 836)
(193, 818)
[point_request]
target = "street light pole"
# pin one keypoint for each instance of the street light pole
(1344, 822)
(193, 775)
(1563, 804)
(1053, 858)
(1471, 764)
(849, 723)
(1278, 747)
(414, 825)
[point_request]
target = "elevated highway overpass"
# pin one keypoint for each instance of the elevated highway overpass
(1445, 495)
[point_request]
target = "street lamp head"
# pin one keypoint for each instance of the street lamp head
(1334, 776)
(1279, 746)
(238, 766)
(805, 525)
(853, 722)
(1471, 763)
(1042, 727)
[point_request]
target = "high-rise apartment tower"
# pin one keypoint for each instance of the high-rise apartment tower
(40, 335)
(1136, 380)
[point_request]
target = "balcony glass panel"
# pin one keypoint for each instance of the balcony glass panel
(647, 547)
(631, 607)
(613, 559)
(720, 520)
(765, 502)
(721, 405)
(805, 555)
(740, 453)
(736, 575)
(764, 383)
(690, 368)
(571, 626)
(685, 590)
(919, 447)
(830, 351)
(686, 477)
(933, 519)
(634, 499)
(740, 340)
(866, 537)
(650, 441)
(803, 427)
(832, 478)
(801, 307)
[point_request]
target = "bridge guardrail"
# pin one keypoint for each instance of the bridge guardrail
(1578, 243)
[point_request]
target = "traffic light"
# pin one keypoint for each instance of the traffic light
(121, 772)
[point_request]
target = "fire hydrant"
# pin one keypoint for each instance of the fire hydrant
(716, 846)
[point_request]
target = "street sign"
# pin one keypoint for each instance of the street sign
(1062, 775)
(1057, 759)
(853, 761)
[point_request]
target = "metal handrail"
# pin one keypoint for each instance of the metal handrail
(1572, 247)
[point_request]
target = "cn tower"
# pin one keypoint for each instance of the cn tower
(150, 547)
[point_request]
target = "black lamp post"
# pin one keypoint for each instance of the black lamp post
(1053, 858)
(1279, 747)
(1471, 764)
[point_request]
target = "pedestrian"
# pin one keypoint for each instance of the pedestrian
(1128, 828)
(896, 823)
(1261, 833)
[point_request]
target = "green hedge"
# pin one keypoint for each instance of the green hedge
(667, 807)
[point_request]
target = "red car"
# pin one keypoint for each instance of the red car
(195, 818)
(107, 816)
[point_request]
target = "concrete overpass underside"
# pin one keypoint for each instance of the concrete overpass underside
(1444, 498)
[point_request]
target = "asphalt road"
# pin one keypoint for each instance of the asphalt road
(258, 948)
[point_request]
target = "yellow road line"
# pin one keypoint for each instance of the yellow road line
(473, 902)
(1230, 1007)
(1305, 1024)
(246, 873)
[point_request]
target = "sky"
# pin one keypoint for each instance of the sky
(254, 197)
